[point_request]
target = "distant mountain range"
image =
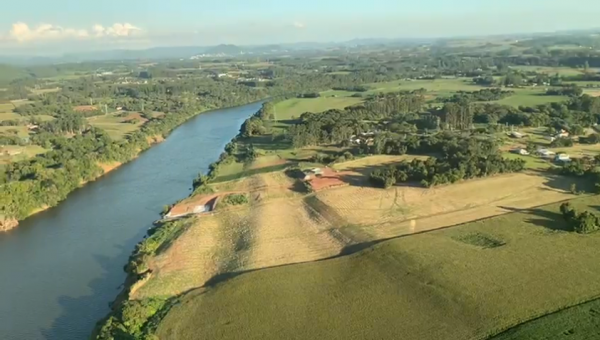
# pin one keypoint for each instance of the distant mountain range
(185, 52)
(158, 53)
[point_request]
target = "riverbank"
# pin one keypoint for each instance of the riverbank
(9, 223)
(138, 273)
(90, 236)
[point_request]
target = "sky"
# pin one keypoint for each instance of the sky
(60, 26)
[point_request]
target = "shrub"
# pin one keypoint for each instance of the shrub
(561, 142)
(235, 199)
(581, 223)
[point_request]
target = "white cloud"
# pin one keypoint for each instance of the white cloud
(116, 30)
(22, 32)
(299, 25)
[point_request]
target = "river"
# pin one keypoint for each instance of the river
(60, 269)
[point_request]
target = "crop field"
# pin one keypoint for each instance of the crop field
(116, 127)
(475, 280)
(294, 108)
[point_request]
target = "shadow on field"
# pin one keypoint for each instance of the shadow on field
(547, 219)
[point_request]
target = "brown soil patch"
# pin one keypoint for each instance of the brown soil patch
(329, 179)
(155, 139)
(187, 206)
(108, 167)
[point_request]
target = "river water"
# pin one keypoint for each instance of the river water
(61, 268)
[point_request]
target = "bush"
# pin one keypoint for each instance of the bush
(581, 223)
(235, 199)
(561, 142)
(593, 138)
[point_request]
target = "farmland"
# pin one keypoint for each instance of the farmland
(293, 108)
(116, 126)
(444, 275)
(283, 226)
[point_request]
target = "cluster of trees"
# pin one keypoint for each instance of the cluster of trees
(309, 95)
(584, 222)
(581, 111)
(352, 88)
(461, 159)
(484, 95)
(566, 90)
(337, 126)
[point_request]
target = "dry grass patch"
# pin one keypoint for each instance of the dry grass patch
(372, 162)
(405, 210)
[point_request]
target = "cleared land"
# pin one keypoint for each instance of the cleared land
(294, 108)
(282, 225)
(118, 127)
(474, 280)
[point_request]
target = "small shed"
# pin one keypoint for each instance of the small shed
(520, 151)
(314, 172)
(546, 153)
(515, 134)
(562, 157)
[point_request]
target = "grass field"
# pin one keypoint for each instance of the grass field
(438, 87)
(531, 162)
(20, 131)
(467, 282)
(527, 97)
(25, 153)
(9, 116)
(580, 322)
(294, 108)
(115, 126)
